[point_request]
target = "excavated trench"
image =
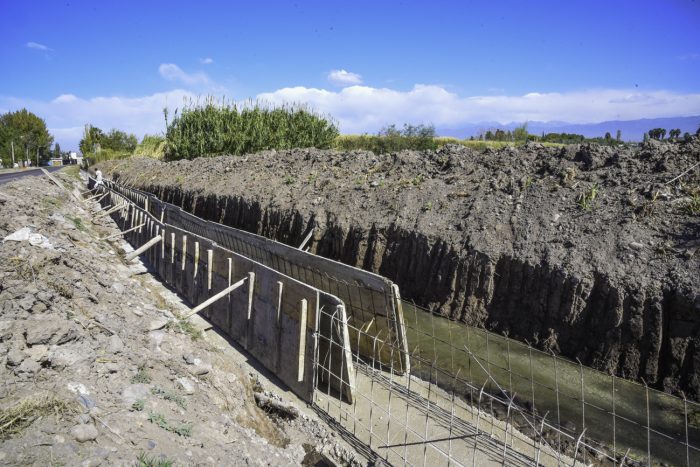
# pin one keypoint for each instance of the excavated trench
(615, 318)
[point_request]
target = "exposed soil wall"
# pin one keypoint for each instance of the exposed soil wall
(499, 239)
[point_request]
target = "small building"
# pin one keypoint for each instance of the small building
(55, 162)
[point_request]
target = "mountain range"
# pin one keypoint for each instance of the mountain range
(631, 130)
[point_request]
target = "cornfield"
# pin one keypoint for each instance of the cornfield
(214, 128)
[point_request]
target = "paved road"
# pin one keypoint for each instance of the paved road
(8, 177)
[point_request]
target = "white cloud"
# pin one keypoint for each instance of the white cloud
(37, 46)
(344, 78)
(363, 108)
(172, 72)
(206, 61)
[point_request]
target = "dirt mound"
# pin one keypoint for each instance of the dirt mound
(96, 370)
(587, 250)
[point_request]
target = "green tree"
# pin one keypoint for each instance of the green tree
(27, 133)
(119, 141)
(657, 133)
(92, 137)
(674, 134)
(520, 133)
(618, 136)
(57, 151)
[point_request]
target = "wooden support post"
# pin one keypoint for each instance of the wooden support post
(306, 239)
(172, 247)
(251, 292)
(162, 246)
(107, 213)
(143, 248)
(184, 251)
(302, 339)
(120, 233)
(196, 258)
(93, 197)
(213, 299)
(210, 266)
(278, 325)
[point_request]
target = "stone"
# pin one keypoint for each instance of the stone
(66, 356)
(38, 353)
(84, 418)
(189, 358)
(115, 345)
(158, 323)
(135, 392)
(53, 331)
(39, 307)
(636, 246)
(118, 287)
(186, 385)
(112, 367)
(15, 357)
(84, 432)
(28, 367)
(202, 369)
(6, 330)
(137, 311)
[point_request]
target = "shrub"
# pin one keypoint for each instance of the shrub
(214, 128)
(151, 146)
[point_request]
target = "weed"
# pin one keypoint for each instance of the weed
(585, 199)
(185, 327)
(692, 208)
(144, 460)
(528, 182)
(179, 179)
(16, 419)
(180, 430)
(138, 405)
(72, 171)
(289, 180)
(141, 376)
(427, 206)
(78, 223)
(418, 180)
(169, 396)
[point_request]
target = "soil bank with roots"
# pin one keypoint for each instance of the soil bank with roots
(587, 251)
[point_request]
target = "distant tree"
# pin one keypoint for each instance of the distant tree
(646, 136)
(618, 136)
(520, 133)
(608, 136)
(687, 137)
(674, 134)
(489, 135)
(697, 132)
(90, 144)
(57, 151)
(119, 141)
(657, 133)
(27, 133)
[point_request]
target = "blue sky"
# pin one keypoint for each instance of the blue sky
(368, 64)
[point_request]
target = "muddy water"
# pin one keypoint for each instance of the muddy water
(572, 396)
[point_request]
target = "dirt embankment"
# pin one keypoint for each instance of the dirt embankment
(96, 370)
(585, 250)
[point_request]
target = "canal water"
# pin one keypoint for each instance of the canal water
(573, 396)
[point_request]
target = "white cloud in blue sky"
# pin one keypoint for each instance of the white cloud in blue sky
(172, 72)
(206, 61)
(344, 78)
(37, 46)
(359, 109)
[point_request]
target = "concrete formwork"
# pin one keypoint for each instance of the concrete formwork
(273, 316)
(372, 302)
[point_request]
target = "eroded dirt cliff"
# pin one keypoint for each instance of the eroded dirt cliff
(585, 250)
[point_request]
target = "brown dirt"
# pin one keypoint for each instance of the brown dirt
(496, 238)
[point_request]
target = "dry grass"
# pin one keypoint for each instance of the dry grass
(14, 420)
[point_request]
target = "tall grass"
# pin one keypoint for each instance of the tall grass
(213, 128)
(380, 144)
(151, 146)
